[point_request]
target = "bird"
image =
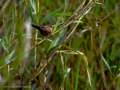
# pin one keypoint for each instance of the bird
(44, 30)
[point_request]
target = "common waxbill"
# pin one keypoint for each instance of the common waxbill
(44, 30)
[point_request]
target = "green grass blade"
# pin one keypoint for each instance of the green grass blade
(7, 59)
(54, 43)
(83, 57)
(33, 5)
(49, 16)
(30, 12)
(105, 62)
(117, 68)
(3, 38)
(68, 82)
(77, 75)
(60, 18)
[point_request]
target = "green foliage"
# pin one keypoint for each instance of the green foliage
(89, 59)
(49, 16)
(117, 68)
(106, 62)
(77, 75)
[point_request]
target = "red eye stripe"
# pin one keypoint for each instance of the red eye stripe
(51, 27)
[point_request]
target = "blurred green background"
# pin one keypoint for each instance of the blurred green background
(97, 37)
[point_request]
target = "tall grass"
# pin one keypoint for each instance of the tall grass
(81, 53)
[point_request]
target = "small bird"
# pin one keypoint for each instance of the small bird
(44, 30)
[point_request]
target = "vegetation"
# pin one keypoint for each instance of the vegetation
(81, 53)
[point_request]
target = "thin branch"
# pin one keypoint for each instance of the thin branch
(108, 15)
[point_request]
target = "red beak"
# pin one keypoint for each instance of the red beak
(51, 27)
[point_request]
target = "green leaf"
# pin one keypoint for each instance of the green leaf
(54, 43)
(30, 12)
(65, 14)
(33, 5)
(51, 49)
(68, 80)
(105, 62)
(7, 59)
(60, 18)
(6, 33)
(117, 68)
(3, 44)
(83, 57)
(59, 75)
(77, 75)
(49, 16)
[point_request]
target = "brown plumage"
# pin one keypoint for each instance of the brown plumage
(44, 30)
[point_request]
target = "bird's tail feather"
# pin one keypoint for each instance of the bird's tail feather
(37, 27)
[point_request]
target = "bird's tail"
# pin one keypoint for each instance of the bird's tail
(37, 27)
